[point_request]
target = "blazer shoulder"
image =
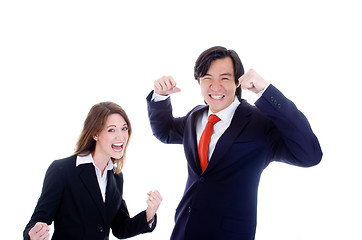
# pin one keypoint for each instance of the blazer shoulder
(247, 113)
(65, 162)
(247, 109)
(199, 108)
(61, 168)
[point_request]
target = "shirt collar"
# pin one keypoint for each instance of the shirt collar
(89, 159)
(228, 112)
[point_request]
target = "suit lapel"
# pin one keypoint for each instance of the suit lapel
(113, 193)
(190, 141)
(89, 180)
(238, 123)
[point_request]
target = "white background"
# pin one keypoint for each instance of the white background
(59, 58)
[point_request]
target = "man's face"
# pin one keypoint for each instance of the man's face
(218, 85)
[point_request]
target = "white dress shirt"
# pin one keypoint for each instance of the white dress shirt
(225, 116)
(102, 180)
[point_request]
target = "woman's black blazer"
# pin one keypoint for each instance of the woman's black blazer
(72, 199)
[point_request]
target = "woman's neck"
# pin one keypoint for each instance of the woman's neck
(100, 161)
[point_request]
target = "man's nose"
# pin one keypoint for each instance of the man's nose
(215, 85)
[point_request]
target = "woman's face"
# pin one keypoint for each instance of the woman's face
(112, 139)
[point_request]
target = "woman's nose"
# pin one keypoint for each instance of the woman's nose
(122, 136)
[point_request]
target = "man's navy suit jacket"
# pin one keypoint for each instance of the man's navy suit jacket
(221, 202)
(72, 199)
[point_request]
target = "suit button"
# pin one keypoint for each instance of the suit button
(275, 102)
(101, 229)
(279, 106)
(202, 179)
(272, 98)
(189, 209)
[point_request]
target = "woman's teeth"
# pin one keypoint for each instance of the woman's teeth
(117, 147)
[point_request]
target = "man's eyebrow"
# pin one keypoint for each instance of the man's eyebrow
(226, 74)
(223, 74)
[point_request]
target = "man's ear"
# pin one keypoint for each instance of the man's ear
(237, 83)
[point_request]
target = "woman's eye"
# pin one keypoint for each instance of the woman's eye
(125, 129)
(110, 130)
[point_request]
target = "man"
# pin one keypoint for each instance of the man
(220, 198)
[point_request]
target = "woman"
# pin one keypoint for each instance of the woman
(82, 194)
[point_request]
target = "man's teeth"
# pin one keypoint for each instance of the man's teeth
(216, 97)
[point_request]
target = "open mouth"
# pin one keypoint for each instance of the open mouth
(216, 97)
(117, 147)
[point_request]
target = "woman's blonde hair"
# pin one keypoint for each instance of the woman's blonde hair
(93, 125)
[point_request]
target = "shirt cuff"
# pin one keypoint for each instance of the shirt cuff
(150, 223)
(158, 98)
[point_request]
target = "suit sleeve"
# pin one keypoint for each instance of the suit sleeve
(164, 126)
(123, 226)
(48, 202)
(291, 137)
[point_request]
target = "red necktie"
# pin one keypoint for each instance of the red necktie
(205, 140)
